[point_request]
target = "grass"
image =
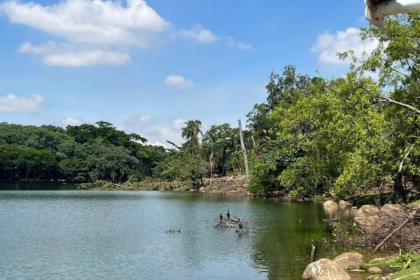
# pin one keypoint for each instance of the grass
(412, 273)
(382, 264)
(415, 203)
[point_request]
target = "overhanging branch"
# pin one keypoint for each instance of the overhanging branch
(387, 99)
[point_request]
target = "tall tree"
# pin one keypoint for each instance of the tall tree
(396, 60)
(191, 132)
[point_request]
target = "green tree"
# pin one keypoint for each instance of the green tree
(8, 156)
(191, 132)
(185, 167)
(38, 163)
(219, 140)
(340, 136)
(396, 60)
(74, 169)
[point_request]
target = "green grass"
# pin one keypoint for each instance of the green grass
(415, 203)
(381, 264)
(412, 273)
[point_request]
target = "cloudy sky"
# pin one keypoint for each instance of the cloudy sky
(148, 66)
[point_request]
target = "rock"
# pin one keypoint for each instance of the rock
(374, 270)
(202, 189)
(367, 217)
(324, 269)
(343, 204)
(348, 261)
(376, 260)
(392, 210)
(330, 204)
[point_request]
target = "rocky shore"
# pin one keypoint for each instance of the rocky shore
(379, 228)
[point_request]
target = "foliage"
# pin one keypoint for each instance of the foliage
(78, 153)
(191, 132)
(219, 140)
(270, 162)
(396, 61)
(403, 261)
(182, 167)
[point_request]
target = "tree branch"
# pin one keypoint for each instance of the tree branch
(387, 99)
(405, 157)
(396, 230)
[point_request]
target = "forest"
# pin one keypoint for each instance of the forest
(313, 136)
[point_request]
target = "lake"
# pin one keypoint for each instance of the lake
(52, 233)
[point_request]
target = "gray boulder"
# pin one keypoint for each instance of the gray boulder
(324, 269)
(349, 261)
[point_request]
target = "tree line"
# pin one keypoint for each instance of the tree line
(77, 153)
(313, 135)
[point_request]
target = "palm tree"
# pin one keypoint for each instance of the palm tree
(191, 132)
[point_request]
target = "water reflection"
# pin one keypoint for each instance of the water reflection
(122, 235)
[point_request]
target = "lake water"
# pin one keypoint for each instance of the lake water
(70, 234)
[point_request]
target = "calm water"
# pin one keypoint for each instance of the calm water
(56, 234)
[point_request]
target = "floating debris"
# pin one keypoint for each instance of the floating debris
(235, 222)
(173, 230)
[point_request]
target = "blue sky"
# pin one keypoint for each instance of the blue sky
(148, 66)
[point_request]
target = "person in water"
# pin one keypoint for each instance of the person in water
(228, 215)
(221, 217)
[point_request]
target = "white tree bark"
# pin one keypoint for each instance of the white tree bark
(243, 149)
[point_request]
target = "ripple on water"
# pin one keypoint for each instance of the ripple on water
(122, 235)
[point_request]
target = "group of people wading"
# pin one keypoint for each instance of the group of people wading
(240, 225)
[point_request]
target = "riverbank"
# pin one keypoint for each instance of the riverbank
(356, 266)
(225, 186)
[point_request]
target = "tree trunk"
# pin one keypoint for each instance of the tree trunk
(243, 149)
(399, 190)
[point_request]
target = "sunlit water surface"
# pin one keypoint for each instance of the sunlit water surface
(122, 235)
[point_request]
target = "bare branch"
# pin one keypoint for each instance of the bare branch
(387, 99)
(396, 230)
(405, 157)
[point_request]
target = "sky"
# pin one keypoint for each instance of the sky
(148, 66)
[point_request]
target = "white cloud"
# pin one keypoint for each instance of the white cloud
(178, 82)
(178, 124)
(245, 46)
(40, 49)
(73, 56)
(90, 22)
(94, 32)
(329, 44)
(231, 43)
(197, 32)
(157, 143)
(91, 29)
(87, 58)
(13, 103)
(70, 121)
(172, 132)
(139, 121)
